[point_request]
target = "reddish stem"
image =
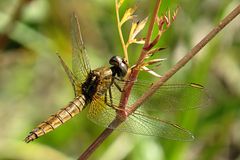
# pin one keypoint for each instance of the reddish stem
(116, 122)
(96, 143)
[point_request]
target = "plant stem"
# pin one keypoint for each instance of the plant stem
(99, 140)
(152, 21)
(120, 32)
(96, 143)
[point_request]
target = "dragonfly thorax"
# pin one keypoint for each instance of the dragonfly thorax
(97, 83)
(89, 87)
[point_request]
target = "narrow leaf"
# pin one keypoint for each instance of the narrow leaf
(175, 14)
(128, 15)
(153, 61)
(138, 41)
(151, 72)
(153, 51)
(133, 28)
(139, 27)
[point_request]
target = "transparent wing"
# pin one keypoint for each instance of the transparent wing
(75, 84)
(170, 97)
(100, 113)
(80, 63)
(141, 123)
(137, 123)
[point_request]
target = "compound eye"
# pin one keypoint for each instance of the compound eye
(123, 70)
(115, 61)
(119, 67)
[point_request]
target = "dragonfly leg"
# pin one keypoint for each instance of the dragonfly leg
(109, 103)
(123, 80)
(105, 98)
(110, 96)
(118, 87)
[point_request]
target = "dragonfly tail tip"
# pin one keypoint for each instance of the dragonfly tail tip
(30, 137)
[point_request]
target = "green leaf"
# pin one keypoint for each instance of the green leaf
(128, 15)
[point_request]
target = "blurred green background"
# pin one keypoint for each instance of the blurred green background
(33, 84)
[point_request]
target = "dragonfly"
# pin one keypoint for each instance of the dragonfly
(100, 89)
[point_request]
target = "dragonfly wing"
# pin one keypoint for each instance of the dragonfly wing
(143, 124)
(171, 97)
(80, 63)
(100, 113)
(137, 123)
(71, 77)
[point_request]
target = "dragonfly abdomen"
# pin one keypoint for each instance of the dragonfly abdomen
(54, 121)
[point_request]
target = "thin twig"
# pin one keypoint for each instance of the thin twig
(167, 75)
(95, 144)
(152, 21)
(120, 31)
(116, 122)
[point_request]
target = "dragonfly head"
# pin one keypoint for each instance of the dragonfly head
(119, 66)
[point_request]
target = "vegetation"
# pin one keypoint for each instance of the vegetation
(33, 85)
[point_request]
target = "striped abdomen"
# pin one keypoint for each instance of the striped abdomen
(58, 119)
